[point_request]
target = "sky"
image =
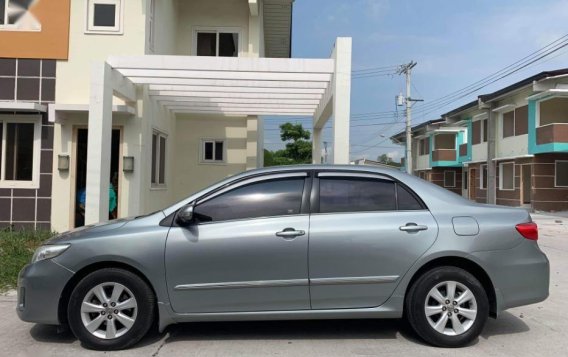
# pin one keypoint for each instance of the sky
(454, 42)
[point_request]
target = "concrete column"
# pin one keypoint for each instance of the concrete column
(98, 149)
(316, 146)
(491, 170)
(252, 142)
(341, 100)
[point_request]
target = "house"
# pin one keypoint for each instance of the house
(510, 145)
(156, 99)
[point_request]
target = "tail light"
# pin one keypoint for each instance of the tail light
(528, 230)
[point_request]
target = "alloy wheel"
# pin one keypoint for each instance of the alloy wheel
(450, 308)
(109, 310)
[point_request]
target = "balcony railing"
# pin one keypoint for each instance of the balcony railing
(463, 150)
(552, 133)
(444, 155)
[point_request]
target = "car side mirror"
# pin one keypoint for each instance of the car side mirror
(185, 215)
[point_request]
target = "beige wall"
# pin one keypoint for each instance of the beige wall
(73, 75)
(165, 27)
(190, 173)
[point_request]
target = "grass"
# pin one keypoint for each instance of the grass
(16, 250)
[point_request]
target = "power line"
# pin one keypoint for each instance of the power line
(497, 76)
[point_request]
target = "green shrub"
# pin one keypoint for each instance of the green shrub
(16, 250)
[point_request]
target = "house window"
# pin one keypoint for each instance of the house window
(508, 124)
(483, 177)
(217, 43)
(449, 178)
(479, 131)
(424, 146)
(158, 174)
(561, 173)
(516, 122)
(213, 151)
(19, 153)
(507, 176)
(104, 16)
(15, 16)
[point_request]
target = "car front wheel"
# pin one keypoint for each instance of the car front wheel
(447, 307)
(111, 309)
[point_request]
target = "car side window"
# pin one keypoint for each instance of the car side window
(356, 195)
(278, 197)
(406, 200)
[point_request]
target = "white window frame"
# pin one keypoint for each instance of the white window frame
(555, 175)
(21, 119)
(481, 176)
(156, 168)
(202, 151)
(90, 17)
(454, 175)
(217, 30)
(501, 164)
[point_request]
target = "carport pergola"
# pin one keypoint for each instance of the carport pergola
(232, 86)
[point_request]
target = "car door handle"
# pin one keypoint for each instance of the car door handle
(412, 227)
(290, 233)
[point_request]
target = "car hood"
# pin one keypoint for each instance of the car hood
(93, 229)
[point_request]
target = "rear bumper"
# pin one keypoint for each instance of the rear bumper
(521, 275)
(39, 288)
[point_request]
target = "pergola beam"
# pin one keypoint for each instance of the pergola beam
(243, 76)
(312, 102)
(226, 89)
(234, 95)
(223, 64)
(229, 82)
(241, 112)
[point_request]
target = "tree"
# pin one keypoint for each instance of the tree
(387, 160)
(298, 147)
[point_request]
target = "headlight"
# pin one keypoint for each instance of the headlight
(49, 252)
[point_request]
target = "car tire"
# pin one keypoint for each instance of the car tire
(444, 319)
(111, 309)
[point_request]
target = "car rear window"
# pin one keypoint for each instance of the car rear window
(364, 195)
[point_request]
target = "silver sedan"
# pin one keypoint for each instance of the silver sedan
(298, 242)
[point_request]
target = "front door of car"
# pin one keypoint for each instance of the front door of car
(247, 249)
(365, 233)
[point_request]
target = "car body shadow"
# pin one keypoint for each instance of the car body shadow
(379, 329)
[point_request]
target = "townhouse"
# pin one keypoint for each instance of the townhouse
(137, 104)
(509, 147)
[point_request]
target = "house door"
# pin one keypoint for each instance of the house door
(526, 184)
(80, 171)
(471, 190)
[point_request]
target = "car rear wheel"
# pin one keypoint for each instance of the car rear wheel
(447, 307)
(111, 309)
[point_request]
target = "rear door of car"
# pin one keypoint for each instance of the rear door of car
(366, 230)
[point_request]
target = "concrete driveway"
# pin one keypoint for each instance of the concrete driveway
(526, 331)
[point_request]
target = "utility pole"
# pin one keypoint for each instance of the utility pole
(406, 69)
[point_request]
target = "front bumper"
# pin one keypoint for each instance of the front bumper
(521, 275)
(39, 288)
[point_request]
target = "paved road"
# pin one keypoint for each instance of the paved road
(526, 331)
